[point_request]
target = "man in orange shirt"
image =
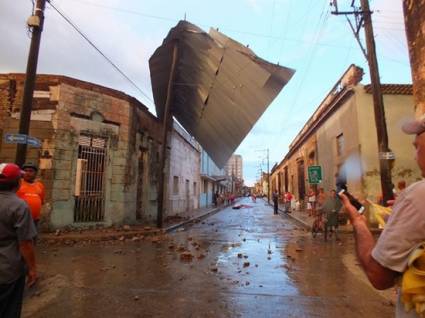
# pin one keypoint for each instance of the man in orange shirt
(32, 191)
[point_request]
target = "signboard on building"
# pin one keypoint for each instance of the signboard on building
(314, 174)
(22, 139)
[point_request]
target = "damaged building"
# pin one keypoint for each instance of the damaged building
(340, 136)
(99, 152)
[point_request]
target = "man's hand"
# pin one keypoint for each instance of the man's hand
(27, 250)
(353, 215)
(31, 278)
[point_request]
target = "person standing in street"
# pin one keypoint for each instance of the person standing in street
(330, 209)
(275, 202)
(31, 191)
(17, 231)
(288, 200)
(385, 261)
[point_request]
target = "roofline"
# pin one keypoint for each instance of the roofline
(59, 79)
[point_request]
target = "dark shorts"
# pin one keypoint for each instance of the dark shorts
(11, 296)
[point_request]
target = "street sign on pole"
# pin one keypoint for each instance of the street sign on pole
(15, 138)
(314, 174)
(22, 139)
(34, 142)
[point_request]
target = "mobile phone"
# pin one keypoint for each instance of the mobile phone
(359, 207)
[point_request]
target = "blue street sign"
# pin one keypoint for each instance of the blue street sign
(22, 139)
(15, 138)
(34, 142)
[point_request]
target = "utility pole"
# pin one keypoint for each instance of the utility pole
(363, 17)
(35, 22)
(167, 126)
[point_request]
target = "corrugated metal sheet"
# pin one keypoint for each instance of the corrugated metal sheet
(221, 88)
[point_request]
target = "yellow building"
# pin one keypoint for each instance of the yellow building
(341, 137)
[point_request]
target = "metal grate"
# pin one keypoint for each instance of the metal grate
(90, 185)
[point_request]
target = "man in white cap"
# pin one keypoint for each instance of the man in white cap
(385, 260)
(17, 232)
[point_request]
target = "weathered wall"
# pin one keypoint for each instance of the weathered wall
(343, 121)
(185, 163)
(414, 11)
(68, 108)
(397, 108)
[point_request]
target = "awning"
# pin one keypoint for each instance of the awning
(221, 87)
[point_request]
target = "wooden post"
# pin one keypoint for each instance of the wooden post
(166, 127)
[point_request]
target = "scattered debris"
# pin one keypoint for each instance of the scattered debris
(246, 264)
(214, 269)
(240, 255)
(186, 256)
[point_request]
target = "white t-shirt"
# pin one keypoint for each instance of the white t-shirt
(404, 231)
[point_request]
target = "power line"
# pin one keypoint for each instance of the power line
(74, 26)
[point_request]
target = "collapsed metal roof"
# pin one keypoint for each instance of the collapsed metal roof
(221, 87)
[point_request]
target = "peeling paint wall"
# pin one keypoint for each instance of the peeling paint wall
(64, 109)
(397, 108)
(414, 12)
(185, 166)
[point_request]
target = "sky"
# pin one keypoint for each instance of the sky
(300, 34)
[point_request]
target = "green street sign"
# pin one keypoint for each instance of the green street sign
(314, 174)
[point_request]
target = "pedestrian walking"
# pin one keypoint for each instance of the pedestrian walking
(288, 201)
(387, 259)
(275, 202)
(330, 209)
(17, 231)
(31, 190)
(311, 202)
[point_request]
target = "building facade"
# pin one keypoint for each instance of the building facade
(213, 179)
(99, 153)
(234, 167)
(414, 13)
(340, 137)
(184, 173)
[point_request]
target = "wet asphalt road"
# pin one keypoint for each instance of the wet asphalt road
(246, 263)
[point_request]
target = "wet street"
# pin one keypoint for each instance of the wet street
(237, 263)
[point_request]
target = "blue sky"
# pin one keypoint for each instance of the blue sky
(300, 34)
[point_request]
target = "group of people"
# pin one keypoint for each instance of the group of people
(21, 197)
(223, 198)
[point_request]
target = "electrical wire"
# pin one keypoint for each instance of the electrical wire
(78, 30)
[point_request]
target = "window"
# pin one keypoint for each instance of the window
(340, 145)
(205, 186)
(176, 185)
(195, 192)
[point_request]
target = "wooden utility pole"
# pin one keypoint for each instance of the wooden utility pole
(166, 128)
(364, 16)
(35, 22)
(378, 104)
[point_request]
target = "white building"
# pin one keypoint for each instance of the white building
(184, 174)
(234, 167)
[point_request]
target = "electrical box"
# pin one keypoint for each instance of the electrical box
(33, 21)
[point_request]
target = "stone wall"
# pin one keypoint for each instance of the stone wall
(414, 11)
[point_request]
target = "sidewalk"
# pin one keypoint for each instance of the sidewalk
(306, 221)
(126, 232)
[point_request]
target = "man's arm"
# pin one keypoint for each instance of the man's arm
(27, 251)
(379, 276)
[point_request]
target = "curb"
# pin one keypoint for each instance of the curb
(195, 219)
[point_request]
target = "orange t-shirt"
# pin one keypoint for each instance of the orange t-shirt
(33, 195)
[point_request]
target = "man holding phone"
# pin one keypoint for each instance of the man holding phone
(385, 260)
